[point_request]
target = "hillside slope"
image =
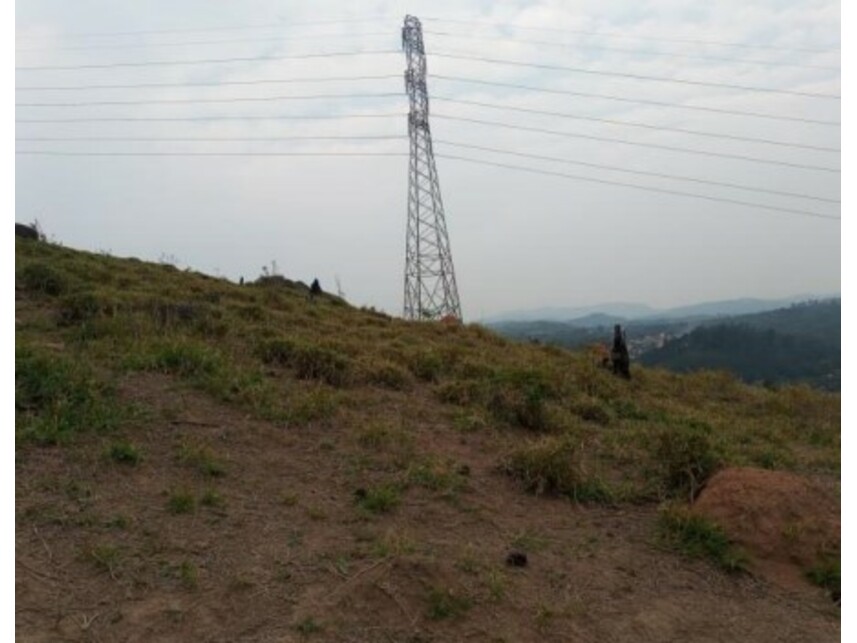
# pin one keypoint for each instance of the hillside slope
(198, 460)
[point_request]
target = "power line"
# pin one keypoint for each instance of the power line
(261, 81)
(618, 35)
(202, 139)
(205, 61)
(641, 187)
(64, 153)
(639, 52)
(123, 119)
(176, 101)
(189, 43)
(583, 70)
(637, 124)
(659, 175)
(670, 148)
(639, 101)
(276, 25)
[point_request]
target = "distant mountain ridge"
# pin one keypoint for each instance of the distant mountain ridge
(625, 311)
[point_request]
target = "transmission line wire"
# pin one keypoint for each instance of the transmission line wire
(638, 144)
(583, 70)
(567, 92)
(260, 81)
(618, 35)
(206, 61)
(176, 101)
(129, 119)
(637, 124)
(660, 175)
(641, 52)
(640, 187)
(202, 139)
(75, 153)
(445, 156)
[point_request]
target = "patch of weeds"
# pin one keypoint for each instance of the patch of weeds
(312, 362)
(544, 616)
(203, 459)
(467, 422)
(42, 278)
(188, 575)
(461, 392)
(277, 351)
(308, 626)
(381, 499)
(388, 375)
(290, 499)
(117, 522)
(686, 458)
(519, 397)
(552, 466)
(316, 513)
(627, 410)
(80, 307)
(106, 558)
(698, 537)
(529, 541)
(426, 365)
(185, 359)
(495, 581)
(591, 410)
(393, 543)
(212, 499)
(443, 476)
(826, 573)
(56, 397)
(446, 603)
(124, 453)
(181, 502)
(309, 405)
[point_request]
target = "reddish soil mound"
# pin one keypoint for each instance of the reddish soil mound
(781, 519)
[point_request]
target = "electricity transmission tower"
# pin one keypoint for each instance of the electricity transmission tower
(430, 289)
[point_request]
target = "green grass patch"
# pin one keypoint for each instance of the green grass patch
(445, 603)
(380, 499)
(698, 537)
(57, 397)
(124, 453)
(181, 502)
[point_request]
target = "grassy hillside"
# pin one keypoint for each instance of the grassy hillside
(198, 458)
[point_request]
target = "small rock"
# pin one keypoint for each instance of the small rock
(516, 559)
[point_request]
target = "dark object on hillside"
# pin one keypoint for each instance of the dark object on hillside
(516, 559)
(26, 231)
(619, 354)
(360, 494)
(315, 288)
(241, 281)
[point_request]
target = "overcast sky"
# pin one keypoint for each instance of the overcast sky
(519, 239)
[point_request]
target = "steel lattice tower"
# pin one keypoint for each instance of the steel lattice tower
(430, 289)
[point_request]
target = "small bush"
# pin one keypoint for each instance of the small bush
(426, 365)
(181, 502)
(551, 466)
(80, 307)
(124, 453)
(42, 278)
(686, 458)
(203, 459)
(698, 537)
(826, 573)
(592, 411)
(382, 499)
(389, 375)
(186, 360)
(276, 351)
(445, 603)
(461, 392)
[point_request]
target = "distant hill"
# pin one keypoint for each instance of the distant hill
(636, 311)
(799, 343)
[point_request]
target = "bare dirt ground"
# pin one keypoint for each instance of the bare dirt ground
(275, 549)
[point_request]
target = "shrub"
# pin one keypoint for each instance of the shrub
(124, 453)
(381, 499)
(43, 278)
(276, 351)
(686, 458)
(313, 362)
(551, 466)
(519, 397)
(699, 537)
(445, 603)
(187, 360)
(79, 307)
(389, 375)
(461, 392)
(181, 502)
(427, 365)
